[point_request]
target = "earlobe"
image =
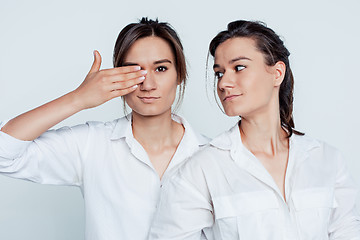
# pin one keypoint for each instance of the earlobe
(280, 69)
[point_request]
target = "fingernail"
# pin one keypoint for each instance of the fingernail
(135, 86)
(141, 78)
(137, 68)
(144, 72)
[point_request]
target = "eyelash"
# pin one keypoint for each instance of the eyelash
(218, 75)
(161, 67)
(241, 66)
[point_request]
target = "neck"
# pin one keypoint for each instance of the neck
(153, 132)
(262, 132)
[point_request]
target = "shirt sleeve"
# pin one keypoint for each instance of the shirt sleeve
(345, 220)
(184, 210)
(55, 157)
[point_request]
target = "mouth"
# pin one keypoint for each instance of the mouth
(231, 97)
(148, 99)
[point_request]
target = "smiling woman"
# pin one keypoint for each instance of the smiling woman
(118, 165)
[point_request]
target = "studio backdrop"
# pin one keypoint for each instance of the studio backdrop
(46, 51)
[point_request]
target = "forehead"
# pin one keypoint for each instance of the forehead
(235, 47)
(149, 49)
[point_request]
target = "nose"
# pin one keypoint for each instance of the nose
(149, 83)
(226, 81)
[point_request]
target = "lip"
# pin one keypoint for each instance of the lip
(231, 97)
(148, 99)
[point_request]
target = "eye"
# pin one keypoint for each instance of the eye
(239, 68)
(161, 69)
(219, 75)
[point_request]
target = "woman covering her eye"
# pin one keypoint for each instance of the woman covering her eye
(119, 165)
(262, 179)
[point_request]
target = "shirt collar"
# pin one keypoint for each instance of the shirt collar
(189, 132)
(300, 146)
(123, 129)
(303, 144)
(231, 140)
(190, 143)
(228, 139)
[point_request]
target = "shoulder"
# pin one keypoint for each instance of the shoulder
(312, 144)
(102, 125)
(192, 134)
(202, 140)
(318, 150)
(216, 152)
(109, 125)
(94, 129)
(206, 161)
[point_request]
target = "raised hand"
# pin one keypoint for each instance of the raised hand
(98, 87)
(101, 86)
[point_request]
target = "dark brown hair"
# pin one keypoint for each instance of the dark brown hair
(147, 28)
(273, 49)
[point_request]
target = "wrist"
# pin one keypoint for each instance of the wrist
(75, 101)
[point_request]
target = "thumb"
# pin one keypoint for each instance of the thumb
(97, 62)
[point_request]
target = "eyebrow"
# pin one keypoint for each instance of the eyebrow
(155, 62)
(233, 60)
(162, 61)
(129, 64)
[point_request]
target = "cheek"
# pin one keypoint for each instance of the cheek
(261, 90)
(170, 92)
(256, 83)
(219, 93)
(169, 83)
(131, 97)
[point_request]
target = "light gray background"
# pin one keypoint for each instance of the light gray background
(46, 51)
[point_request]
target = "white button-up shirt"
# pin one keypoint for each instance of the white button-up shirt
(119, 184)
(225, 193)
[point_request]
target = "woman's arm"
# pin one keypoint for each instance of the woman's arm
(345, 218)
(56, 156)
(98, 87)
(184, 210)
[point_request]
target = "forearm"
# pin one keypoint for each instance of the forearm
(30, 125)
(97, 88)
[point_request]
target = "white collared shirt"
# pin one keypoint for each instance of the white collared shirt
(225, 192)
(119, 184)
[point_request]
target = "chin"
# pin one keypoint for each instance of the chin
(150, 112)
(231, 112)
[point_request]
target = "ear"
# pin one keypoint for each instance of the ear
(280, 69)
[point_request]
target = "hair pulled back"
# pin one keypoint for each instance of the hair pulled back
(148, 28)
(274, 50)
